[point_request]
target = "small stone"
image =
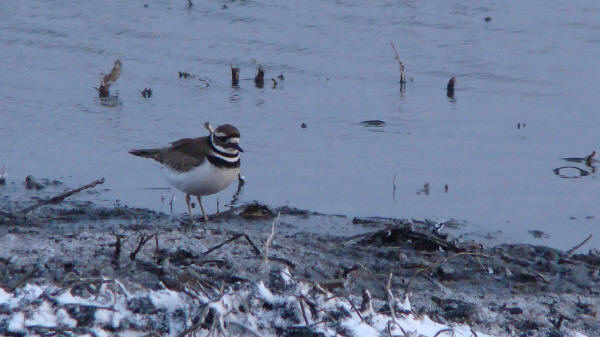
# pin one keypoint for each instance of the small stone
(141, 305)
(515, 311)
(83, 314)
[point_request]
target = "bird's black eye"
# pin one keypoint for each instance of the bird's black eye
(222, 139)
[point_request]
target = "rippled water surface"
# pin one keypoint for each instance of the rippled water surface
(534, 64)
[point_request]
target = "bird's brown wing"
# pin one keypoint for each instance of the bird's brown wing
(185, 154)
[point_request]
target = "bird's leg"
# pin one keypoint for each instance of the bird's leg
(202, 208)
(187, 201)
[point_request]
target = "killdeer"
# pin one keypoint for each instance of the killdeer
(114, 74)
(200, 166)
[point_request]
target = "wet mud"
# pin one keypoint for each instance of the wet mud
(506, 290)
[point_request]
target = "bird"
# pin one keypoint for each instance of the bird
(114, 74)
(200, 166)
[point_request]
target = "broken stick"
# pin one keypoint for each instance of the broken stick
(235, 237)
(143, 241)
(572, 250)
(400, 64)
(61, 197)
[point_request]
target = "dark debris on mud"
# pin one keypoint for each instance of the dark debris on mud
(504, 290)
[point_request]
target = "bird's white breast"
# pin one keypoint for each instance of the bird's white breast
(205, 179)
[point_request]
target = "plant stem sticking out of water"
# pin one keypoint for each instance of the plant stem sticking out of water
(235, 76)
(259, 79)
(450, 87)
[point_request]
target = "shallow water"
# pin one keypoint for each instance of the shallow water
(530, 64)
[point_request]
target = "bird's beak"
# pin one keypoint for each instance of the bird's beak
(237, 147)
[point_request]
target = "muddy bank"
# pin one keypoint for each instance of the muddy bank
(76, 246)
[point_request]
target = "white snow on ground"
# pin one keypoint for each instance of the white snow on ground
(166, 299)
(247, 310)
(4, 296)
(16, 323)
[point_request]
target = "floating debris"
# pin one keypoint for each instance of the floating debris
(450, 87)
(147, 92)
(488, 19)
(259, 79)
(235, 76)
(538, 234)
(31, 183)
(425, 189)
(373, 122)
(224, 7)
(587, 160)
(590, 158)
(303, 125)
(257, 211)
(184, 75)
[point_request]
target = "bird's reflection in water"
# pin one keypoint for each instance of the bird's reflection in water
(111, 101)
(238, 192)
(588, 161)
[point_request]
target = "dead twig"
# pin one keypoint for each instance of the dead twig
(185, 75)
(300, 300)
(117, 255)
(400, 64)
(140, 245)
(287, 262)
(444, 331)
(390, 323)
(391, 299)
(572, 250)
(356, 310)
(394, 188)
(269, 240)
(61, 197)
(235, 237)
(366, 305)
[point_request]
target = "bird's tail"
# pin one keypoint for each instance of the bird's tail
(146, 153)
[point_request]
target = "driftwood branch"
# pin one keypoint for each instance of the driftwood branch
(61, 197)
(572, 250)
